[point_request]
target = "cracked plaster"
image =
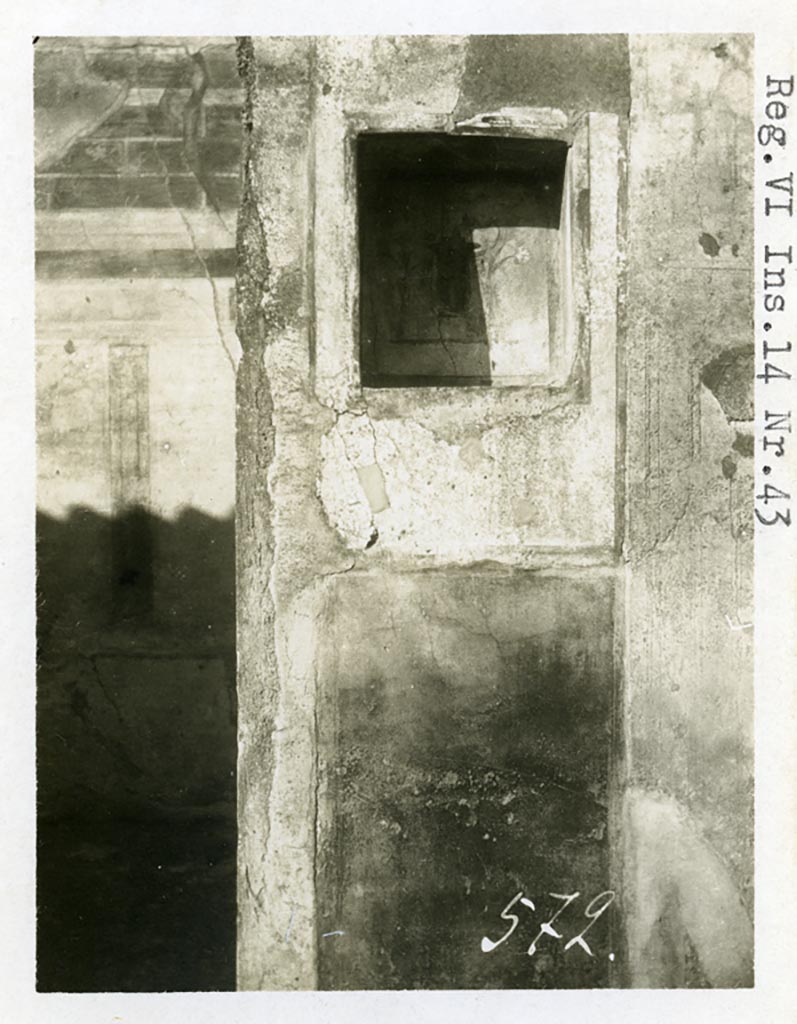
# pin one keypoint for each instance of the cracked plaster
(304, 513)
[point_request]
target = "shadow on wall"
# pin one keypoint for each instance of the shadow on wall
(136, 752)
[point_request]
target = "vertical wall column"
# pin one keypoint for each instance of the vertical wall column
(278, 539)
(688, 826)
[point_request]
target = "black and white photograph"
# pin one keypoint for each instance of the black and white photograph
(411, 416)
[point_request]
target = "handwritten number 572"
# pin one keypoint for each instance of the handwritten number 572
(593, 911)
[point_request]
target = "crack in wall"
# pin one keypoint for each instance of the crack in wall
(369, 473)
(191, 115)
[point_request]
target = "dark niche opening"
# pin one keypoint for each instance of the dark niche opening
(462, 262)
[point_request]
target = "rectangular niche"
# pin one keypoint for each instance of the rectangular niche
(465, 261)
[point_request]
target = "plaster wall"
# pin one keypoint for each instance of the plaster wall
(688, 702)
(344, 494)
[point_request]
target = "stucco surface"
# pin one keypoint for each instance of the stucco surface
(689, 695)
(335, 482)
(642, 481)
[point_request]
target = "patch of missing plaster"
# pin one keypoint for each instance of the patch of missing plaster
(551, 120)
(372, 482)
(730, 378)
(523, 511)
(720, 51)
(255, 309)
(709, 244)
(729, 467)
(352, 486)
(582, 215)
(472, 452)
(744, 445)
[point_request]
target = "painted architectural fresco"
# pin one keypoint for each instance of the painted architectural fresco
(138, 156)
